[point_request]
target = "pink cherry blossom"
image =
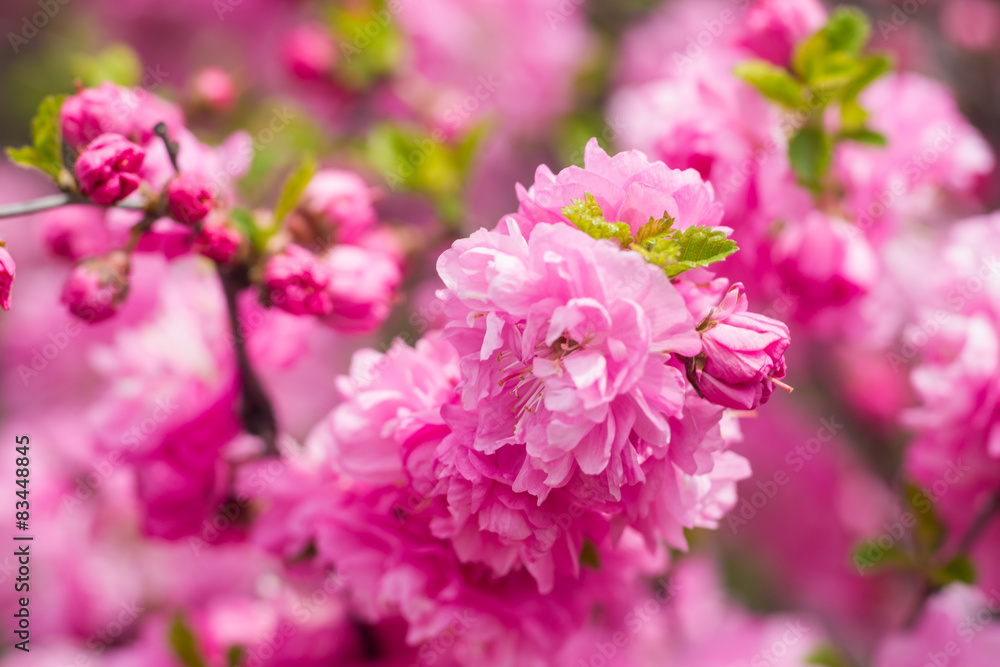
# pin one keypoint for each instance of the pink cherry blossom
(107, 168)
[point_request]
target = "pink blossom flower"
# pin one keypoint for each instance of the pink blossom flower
(309, 52)
(627, 186)
(950, 632)
(106, 168)
(218, 240)
(744, 353)
(214, 88)
(8, 270)
(824, 262)
(773, 28)
(112, 109)
(361, 288)
(297, 281)
(189, 197)
(343, 200)
(76, 232)
(97, 287)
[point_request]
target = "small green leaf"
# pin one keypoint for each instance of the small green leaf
(959, 568)
(234, 656)
(811, 153)
(587, 216)
(773, 82)
(929, 531)
(589, 556)
(870, 555)
(184, 643)
(46, 152)
(653, 229)
(662, 251)
(848, 30)
(292, 191)
(118, 64)
(869, 69)
(864, 136)
(826, 655)
(699, 246)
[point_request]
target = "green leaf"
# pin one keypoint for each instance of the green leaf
(292, 191)
(864, 136)
(827, 655)
(184, 643)
(869, 555)
(653, 229)
(589, 556)
(245, 221)
(811, 153)
(774, 82)
(959, 568)
(699, 246)
(662, 251)
(847, 30)
(929, 532)
(118, 64)
(234, 656)
(588, 217)
(869, 69)
(369, 42)
(46, 152)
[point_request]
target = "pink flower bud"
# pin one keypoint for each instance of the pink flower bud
(309, 52)
(189, 197)
(106, 169)
(76, 232)
(7, 271)
(214, 88)
(344, 200)
(774, 27)
(97, 287)
(93, 112)
(297, 282)
(218, 241)
(743, 354)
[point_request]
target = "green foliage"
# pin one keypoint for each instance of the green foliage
(959, 568)
(295, 185)
(829, 67)
(587, 216)
(811, 153)
(827, 655)
(234, 656)
(369, 42)
(773, 82)
(675, 251)
(46, 152)
(118, 64)
(699, 246)
(184, 643)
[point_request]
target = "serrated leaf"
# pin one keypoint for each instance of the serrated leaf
(46, 135)
(118, 64)
(700, 246)
(589, 556)
(295, 185)
(811, 153)
(959, 568)
(662, 251)
(587, 216)
(653, 229)
(773, 82)
(184, 643)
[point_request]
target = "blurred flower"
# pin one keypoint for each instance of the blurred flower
(7, 271)
(214, 88)
(189, 197)
(296, 281)
(97, 287)
(343, 200)
(309, 52)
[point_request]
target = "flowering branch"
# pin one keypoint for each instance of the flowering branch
(50, 202)
(256, 411)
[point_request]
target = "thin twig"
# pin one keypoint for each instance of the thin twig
(55, 201)
(256, 411)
